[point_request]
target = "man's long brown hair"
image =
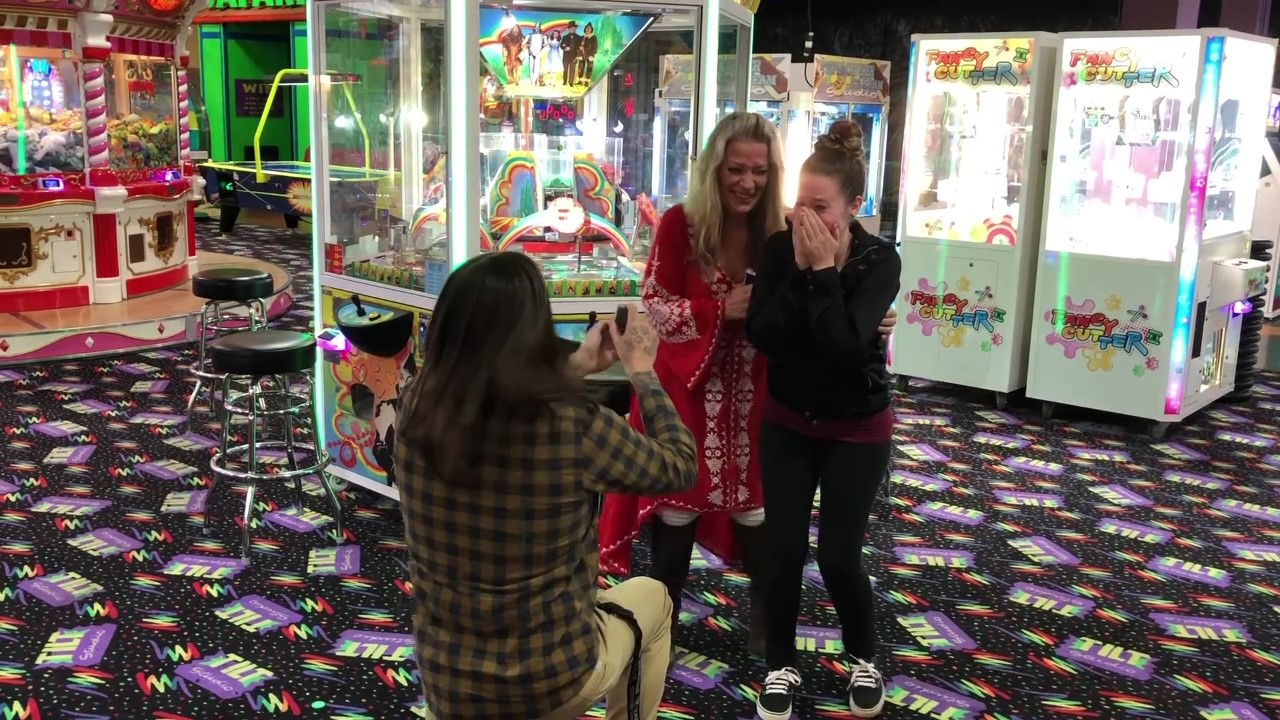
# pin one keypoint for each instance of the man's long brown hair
(491, 355)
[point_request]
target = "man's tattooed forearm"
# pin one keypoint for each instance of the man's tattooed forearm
(647, 380)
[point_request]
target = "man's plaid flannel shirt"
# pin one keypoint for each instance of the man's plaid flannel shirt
(503, 567)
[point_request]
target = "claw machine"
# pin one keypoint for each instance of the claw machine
(481, 128)
(770, 86)
(977, 129)
(767, 96)
(1152, 182)
(835, 88)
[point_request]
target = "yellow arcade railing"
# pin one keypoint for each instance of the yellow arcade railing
(266, 112)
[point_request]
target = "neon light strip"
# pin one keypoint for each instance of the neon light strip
(462, 25)
(19, 112)
(710, 70)
(1193, 224)
(906, 144)
(902, 170)
(319, 223)
(796, 145)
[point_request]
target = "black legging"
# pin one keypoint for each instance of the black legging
(791, 467)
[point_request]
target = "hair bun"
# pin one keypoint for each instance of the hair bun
(843, 137)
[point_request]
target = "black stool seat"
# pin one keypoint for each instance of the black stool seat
(264, 352)
(230, 284)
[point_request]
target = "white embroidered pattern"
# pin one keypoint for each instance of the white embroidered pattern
(671, 315)
(744, 397)
(728, 390)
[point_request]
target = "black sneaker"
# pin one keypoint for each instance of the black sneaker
(866, 690)
(774, 702)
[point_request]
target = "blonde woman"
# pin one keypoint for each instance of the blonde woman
(696, 292)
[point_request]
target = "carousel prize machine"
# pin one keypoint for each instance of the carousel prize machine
(46, 207)
(1266, 216)
(558, 197)
(969, 213)
(550, 185)
(147, 142)
(1152, 181)
(835, 88)
(549, 194)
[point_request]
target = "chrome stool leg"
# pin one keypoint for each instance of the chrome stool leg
(215, 320)
(295, 410)
(200, 368)
(225, 388)
(246, 528)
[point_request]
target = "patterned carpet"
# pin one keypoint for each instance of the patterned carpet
(1023, 571)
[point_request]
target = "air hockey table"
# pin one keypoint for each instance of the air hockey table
(282, 187)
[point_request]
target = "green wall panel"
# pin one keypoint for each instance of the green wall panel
(213, 85)
(255, 53)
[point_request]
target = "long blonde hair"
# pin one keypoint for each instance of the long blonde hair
(704, 207)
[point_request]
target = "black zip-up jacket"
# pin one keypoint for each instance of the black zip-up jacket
(820, 330)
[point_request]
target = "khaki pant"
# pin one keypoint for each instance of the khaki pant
(648, 600)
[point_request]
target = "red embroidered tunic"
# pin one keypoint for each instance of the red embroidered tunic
(715, 379)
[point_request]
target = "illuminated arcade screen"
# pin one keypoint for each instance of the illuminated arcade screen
(967, 131)
(554, 55)
(1123, 134)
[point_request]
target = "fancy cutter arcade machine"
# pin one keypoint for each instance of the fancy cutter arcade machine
(96, 186)
(1152, 180)
(494, 128)
(969, 216)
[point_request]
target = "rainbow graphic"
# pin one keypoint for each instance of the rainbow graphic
(532, 226)
(595, 192)
(516, 191)
(437, 214)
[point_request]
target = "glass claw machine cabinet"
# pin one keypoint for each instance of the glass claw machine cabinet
(674, 142)
(977, 128)
(1152, 181)
(835, 88)
(541, 145)
(46, 205)
(146, 94)
(770, 86)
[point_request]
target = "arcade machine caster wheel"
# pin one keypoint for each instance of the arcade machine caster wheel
(901, 383)
(1002, 401)
(1047, 408)
(1159, 430)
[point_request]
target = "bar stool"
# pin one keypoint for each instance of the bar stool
(278, 356)
(225, 289)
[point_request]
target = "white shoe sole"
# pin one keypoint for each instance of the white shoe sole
(872, 713)
(766, 715)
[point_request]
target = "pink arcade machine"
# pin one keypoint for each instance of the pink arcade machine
(96, 184)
